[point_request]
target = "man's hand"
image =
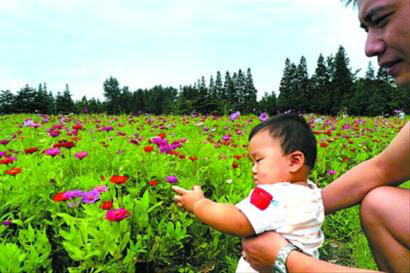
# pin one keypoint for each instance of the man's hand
(260, 251)
(186, 198)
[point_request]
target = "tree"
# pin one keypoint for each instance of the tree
(342, 82)
(320, 101)
(268, 104)
(301, 87)
(24, 100)
(285, 99)
(112, 94)
(250, 93)
(7, 100)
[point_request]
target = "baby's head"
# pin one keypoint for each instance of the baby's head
(282, 149)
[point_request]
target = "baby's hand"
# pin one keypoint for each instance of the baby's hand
(186, 198)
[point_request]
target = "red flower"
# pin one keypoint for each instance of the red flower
(106, 205)
(102, 177)
(323, 144)
(148, 149)
(153, 183)
(58, 197)
(58, 145)
(118, 179)
(13, 171)
(68, 144)
(235, 165)
(31, 150)
(77, 126)
(193, 158)
(162, 135)
(181, 156)
(8, 160)
(173, 152)
(237, 157)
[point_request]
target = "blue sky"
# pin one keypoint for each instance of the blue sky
(148, 42)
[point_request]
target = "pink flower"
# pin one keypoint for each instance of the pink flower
(263, 116)
(331, 172)
(81, 155)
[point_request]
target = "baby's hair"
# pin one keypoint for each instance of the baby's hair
(294, 134)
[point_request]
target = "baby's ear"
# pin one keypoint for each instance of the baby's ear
(297, 160)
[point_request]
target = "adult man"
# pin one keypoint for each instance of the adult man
(384, 208)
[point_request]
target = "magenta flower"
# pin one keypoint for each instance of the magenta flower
(81, 155)
(52, 152)
(116, 214)
(263, 116)
(172, 179)
(54, 133)
(331, 172)
(91, 197)
(234, 116)
(6, 222)
(2, 154)
(107, 128)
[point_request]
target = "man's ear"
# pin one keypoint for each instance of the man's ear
(296, 161)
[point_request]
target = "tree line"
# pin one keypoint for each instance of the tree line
(333, 88)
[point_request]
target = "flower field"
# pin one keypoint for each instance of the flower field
(92, 193)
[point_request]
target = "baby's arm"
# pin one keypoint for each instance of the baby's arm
(223, 217)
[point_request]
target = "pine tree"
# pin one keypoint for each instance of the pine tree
(285, 99)
(7, 102)
(25, 100)
(250, 93)
(301, 87)
(240, 91)
(342, 82)
(219, 88)
(320, 99)
(112, 94)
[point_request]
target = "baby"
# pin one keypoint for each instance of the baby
(283, 152)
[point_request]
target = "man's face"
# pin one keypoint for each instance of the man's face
(387, 23)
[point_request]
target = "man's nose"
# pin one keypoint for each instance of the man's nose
(374, 45)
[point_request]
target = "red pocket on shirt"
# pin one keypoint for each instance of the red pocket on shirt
(261, 198)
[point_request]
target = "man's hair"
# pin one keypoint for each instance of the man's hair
(294, 135)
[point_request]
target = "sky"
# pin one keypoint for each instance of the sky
(143, 43)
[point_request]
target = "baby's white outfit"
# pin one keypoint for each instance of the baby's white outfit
(292, 210)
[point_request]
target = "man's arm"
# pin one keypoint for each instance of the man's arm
(390, 167)
(262, 250)
(226, 218)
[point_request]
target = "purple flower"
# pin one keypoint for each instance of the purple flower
(107, 128)
(73, 194)
(346, 127)
(263, 116)
(172, 179)
(239, 132)
(2, 154)
(134, 141)
(206, 129)
(234, 116)
(101, 188)
(91, 197)
(52, 152)
(331, 172)
(6, 222)
(28, 122)
(81, 155)
(45, 119)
